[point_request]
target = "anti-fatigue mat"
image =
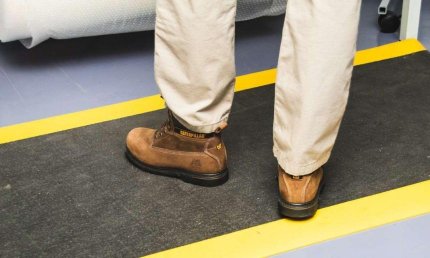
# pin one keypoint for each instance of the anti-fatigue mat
(73, 193)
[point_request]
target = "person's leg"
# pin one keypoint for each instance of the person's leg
(312, 86)
(195, 71)
(194, 60)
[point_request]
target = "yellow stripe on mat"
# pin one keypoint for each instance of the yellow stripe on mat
(339, 220)
(152, 103)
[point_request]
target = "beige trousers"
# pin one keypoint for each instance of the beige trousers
(195, 71)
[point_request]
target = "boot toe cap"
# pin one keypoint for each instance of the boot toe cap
(138, 139)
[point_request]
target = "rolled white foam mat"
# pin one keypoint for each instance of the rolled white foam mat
(34, 21)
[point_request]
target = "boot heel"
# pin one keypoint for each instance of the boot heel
(209, 180)
(297, 211)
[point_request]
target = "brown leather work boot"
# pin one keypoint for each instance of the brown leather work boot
(298, 195)
(174, 151)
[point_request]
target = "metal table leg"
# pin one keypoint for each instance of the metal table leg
(410, 19)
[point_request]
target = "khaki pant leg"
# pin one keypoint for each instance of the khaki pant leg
(194, 60)
(314, 73)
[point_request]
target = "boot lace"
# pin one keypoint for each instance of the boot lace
(165, 127)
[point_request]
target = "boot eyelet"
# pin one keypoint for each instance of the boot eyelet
(297, 177)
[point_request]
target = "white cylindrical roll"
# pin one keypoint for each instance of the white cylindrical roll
(13, 20)
(62, 19)
(34, 21)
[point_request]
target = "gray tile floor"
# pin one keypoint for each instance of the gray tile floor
(409, 238)
(60, 77)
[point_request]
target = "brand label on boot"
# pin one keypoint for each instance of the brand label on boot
(192, 135)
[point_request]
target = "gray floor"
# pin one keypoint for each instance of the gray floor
(60, 77)
(409, 238)
(66, 76)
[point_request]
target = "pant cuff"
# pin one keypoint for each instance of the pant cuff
(210, 128)
(299, 169)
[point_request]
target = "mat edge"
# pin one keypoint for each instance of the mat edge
(270, 239)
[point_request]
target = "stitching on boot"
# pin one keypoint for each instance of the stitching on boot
(305, 188)
(212, 156)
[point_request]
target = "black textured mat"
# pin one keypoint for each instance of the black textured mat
(74, 194)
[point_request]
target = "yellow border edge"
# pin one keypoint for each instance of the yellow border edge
(147, 104)
(332, 222)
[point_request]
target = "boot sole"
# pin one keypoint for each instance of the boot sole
(300, 210)
(208, 180)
